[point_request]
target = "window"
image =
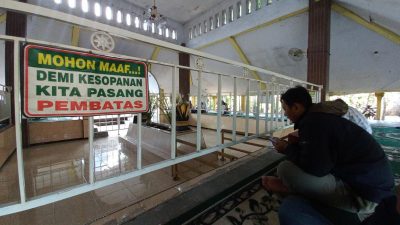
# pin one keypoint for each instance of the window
(224, 17)
(258, 4)
(153, 28)
(190, 34)
(58, 1)
(85, 6)
(200, 29)
(119, 16)
(217, 21)
(128, 19)
(137, 22)
(160, 31)
(109, 14)
(167, 32)
(239, 9)
(145, 26)
(205, 26)
(248, 6)
(195, 31)
(211, 23)
(72, 4)
(97, 9)
(174, 34)
(230, 13)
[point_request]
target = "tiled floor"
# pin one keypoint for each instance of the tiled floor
(56, 166)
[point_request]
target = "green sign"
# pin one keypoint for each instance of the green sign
(62, 82)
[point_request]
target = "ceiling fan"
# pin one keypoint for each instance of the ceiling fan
(296, 54)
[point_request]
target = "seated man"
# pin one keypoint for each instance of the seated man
(335, 162)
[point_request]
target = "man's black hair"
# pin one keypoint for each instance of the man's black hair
(297, 94)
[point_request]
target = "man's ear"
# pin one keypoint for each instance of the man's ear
(298, 107)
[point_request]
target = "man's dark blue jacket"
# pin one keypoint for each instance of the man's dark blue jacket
(330, 144)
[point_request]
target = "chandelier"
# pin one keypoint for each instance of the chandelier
(151, 15)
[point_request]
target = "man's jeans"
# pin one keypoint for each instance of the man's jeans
(327, 190)
(296, 210)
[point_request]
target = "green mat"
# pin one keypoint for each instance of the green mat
(388, 135)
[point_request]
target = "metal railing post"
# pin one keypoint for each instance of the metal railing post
(282, 123)
(234, 109)
(258, 109)
(247, 109)
(219, 108)
(199, 64)
(173, 114)
(272, 119)
(139, 142)
(18, 129)
(266, 108)
(199, 101)
(91, 150)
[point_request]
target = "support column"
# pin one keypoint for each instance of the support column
(184, 75)
(243, 103)
(215, 102)
(15, 26)
(379, 96)
(319, 20)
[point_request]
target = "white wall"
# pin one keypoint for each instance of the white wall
(257, 17)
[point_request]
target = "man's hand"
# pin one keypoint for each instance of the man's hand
(280, 145)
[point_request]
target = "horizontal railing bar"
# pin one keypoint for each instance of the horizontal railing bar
(86, 50)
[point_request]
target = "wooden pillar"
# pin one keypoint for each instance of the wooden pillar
(184, 75)
(379, 96)
(15, 26)
(319, 20)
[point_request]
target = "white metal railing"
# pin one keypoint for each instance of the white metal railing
(270, 121)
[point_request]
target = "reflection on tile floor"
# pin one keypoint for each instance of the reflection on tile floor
(56, 166)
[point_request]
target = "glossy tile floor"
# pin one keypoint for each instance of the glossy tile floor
(56, 166)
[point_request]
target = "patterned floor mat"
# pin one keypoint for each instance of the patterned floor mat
(251, 205)
(388, 135)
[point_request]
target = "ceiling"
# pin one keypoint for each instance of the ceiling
(361, 59)
(187, 9)
(384, 12)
